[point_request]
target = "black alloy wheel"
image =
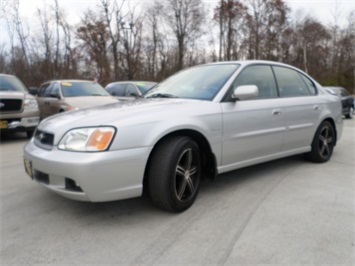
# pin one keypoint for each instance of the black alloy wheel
(323, 143)
(174, 173)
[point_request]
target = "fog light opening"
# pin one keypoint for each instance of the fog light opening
(71, 185)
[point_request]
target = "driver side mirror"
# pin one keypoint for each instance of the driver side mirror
(245, 92)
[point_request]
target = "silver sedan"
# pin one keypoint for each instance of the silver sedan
(198, 123)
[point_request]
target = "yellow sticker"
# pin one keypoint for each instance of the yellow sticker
(66, 84)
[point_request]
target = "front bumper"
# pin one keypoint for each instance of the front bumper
(95, 177)
(23, 124)
(27, 120)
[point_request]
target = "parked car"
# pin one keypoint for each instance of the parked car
(18, 109)
(129, 90)
(67, 95)
(347, 100)
(202, 121)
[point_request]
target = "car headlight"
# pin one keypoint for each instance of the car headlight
(87, 139)
(31, 103)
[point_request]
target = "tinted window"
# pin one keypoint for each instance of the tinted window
(47, 91)
(55, 90)
(144, 86)
(130, 89)
(344, 93)
(262, 77)
(117, 89)
(290, 82)
(79, 89)
(11, 83)
(310, 85)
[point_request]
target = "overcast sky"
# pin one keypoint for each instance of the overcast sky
(323, 10)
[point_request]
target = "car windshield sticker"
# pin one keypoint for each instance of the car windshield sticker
(67, 84)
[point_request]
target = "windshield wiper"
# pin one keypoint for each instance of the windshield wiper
(162, 95)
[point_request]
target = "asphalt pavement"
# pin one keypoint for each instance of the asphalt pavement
(284, 212)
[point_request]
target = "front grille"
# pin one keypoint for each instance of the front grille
(44, 140)
(10, 105)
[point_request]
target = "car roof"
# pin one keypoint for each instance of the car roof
(334, 87)
(132, 81)
(251, 62)
(70, 80)
(6, 75)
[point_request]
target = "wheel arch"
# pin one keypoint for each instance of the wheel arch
(208, 158)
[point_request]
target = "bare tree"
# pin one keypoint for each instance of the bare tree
(94, 37)
(112, 12)
(185, 18)
(234, 15)
(17, 27)
(267, 19)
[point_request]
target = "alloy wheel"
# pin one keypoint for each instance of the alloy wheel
(186, 175)
(326, 141)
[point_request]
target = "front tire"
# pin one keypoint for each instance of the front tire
(174, 173)
(322, 144)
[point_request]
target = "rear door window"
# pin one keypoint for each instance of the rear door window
(291, 83)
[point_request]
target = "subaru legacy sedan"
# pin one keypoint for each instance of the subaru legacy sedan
(200, 122)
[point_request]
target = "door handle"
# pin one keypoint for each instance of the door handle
(276, 112)
(316, 108)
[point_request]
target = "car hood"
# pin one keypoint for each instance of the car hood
(13, 95)
(118, 114)
(89, 101)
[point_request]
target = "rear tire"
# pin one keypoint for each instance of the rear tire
(174, 173)
(322, 144)
(350, 114)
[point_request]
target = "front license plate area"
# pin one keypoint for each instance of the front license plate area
(28, 168)
(3, 124)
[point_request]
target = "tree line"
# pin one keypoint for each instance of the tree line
(118, 41)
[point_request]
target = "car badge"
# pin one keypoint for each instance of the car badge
(41, 136)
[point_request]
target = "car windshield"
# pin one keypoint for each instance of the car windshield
(201, 83)
(11, 83)
(79, 89)
(145, 86)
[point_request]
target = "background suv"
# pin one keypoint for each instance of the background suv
(18, 109)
